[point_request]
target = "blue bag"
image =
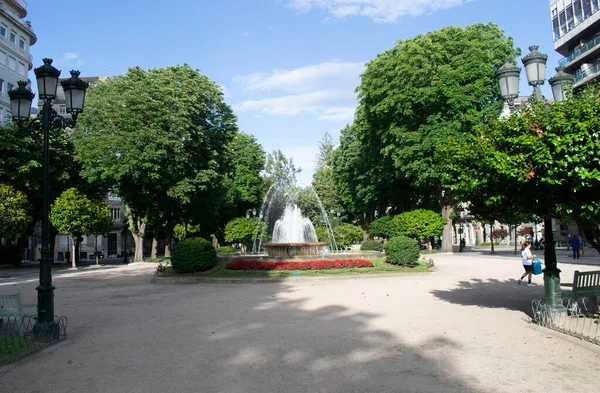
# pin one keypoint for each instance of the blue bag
(537, 266)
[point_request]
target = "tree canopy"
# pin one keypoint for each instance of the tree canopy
(412, 98)
(160, 139)
(14, 213)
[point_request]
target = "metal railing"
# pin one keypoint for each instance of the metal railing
(579, 51)
(576, 317)
(17, 340)
(584, 74)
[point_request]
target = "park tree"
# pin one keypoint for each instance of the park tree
(383, 227)
(498, 234)
(160, 138)
(101, 222)
(347, 234)
(15, 213)
(541, 161)
(279, 169)
(420, 224)
(21, 159)
(243, 230)
(415, 96)
(73, 213)
(323, 181)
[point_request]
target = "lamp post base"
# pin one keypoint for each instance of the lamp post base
(46, 331)
(552, 287)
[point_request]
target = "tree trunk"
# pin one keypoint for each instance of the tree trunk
(492, 239)
(169, 238)
(153, 252)
(96, 250)
(515, 238)
(73, 251)
(447, 233)
(138, 230)
(549, 246)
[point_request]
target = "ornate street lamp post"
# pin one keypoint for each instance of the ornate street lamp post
(46, 328)
(508, 78)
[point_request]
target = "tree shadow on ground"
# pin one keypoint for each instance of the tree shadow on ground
(492, 293)
(232, 338)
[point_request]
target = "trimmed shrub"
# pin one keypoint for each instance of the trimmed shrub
(383, 227)
(322, 234)
(193, 254)
(371, 245)
(401, 250)
(226, 249)
(347, 234)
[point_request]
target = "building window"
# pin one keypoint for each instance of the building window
(12, 63)
(554, 12)
(9, 87)
(62, 110)
(3, 30)
(21, 69)
(587, 8)
(2, 57)
(21, 43)
(578, 11)
(13, 37)
(1, 87)
(594, 5)
(116, 214)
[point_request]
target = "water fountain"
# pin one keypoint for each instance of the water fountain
(292, 233)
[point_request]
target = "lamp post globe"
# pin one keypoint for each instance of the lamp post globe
(535, 69)
(47, 80)
(20, 102)
(508, 79)
(561, 83)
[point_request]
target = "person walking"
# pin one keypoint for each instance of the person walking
(527, 259)
(575, 246)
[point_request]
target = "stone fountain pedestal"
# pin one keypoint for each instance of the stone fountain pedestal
(295, 249)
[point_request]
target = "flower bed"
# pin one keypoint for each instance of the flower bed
(309, 265)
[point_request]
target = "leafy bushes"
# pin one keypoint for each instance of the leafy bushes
(322, 234)
(383, 227)
(226, 249)
(310, 265)
(242, 230)
(193, 254)
(419, 224)
(346, 235)
(371, 245)
(402, 250)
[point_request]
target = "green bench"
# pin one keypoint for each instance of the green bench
(585, 284)
(13, 313)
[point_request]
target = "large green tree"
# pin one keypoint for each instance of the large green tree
(160, 139)
(323, 181)
(415, 96)
(542, 161)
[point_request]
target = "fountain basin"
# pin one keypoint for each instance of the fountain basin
(295, 249)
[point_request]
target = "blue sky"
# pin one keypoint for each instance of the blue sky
(288, 67)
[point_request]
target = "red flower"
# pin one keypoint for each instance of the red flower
(309, 265)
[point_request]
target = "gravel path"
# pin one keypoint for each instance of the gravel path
(463, 328)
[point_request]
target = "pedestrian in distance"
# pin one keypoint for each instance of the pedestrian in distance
(575, 246)
(527, 259)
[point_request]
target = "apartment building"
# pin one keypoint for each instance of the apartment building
(16, 37)
(576, 35)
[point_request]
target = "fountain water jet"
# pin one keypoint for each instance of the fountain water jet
(292, 234)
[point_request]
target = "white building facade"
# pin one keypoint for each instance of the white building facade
(16, 37)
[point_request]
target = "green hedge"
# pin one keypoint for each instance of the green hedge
(402, 250)
(193, 254)
(371, 245)
(226, 249)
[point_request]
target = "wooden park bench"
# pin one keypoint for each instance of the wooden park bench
(13, 312)
(585, 284)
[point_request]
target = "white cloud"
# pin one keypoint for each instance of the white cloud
(70, 58)
(381, 11)
(304, 78)
(316, 102)
(337, 114)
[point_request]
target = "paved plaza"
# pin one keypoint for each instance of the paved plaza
(462, 328)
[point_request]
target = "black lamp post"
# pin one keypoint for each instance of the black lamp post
(508, 78)
(46, 329)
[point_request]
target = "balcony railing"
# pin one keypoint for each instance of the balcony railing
(590, 71)
(580, 51)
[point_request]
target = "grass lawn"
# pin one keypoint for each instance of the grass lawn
(12, 347)
(380, 268)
